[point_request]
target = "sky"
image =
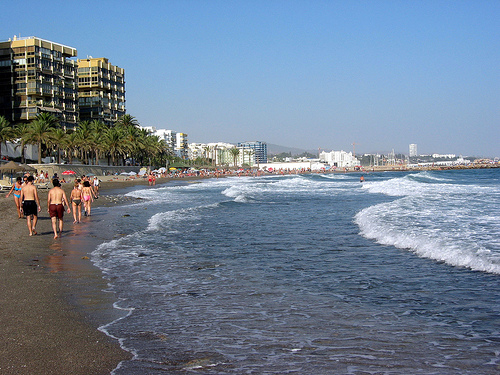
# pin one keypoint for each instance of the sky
(307, 74)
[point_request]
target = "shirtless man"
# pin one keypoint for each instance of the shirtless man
(30, 204)
(56, 201)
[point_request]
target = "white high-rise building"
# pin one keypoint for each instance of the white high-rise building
(413, 150)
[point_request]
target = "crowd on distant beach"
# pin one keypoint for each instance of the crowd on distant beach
(28, 202)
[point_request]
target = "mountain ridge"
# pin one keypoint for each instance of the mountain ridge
(274, 149)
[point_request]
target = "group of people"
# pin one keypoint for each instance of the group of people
(28, 203)
(83, 194)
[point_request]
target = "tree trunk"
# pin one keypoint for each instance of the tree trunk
(39, 152)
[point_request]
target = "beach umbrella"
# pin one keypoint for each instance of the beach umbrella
(68, 172)
(11, 167)
(27, 168)
(91, 174)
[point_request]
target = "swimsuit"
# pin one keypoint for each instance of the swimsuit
(77, 202)
(86, 198)
(17, 189)
(56, 210)
(30, 208)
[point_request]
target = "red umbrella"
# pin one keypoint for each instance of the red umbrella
(68, 172)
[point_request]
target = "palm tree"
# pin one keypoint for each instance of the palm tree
(71, 144)
(40, 131)
(115, 143)
(126, 121)
(235, 152)
(165, 154)
(154, 146)
(6, 132)
(206, 149)
(136, 140)
(96, 139)
(58, 140)
(20, 132)
(84, 132)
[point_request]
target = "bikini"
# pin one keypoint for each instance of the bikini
(77, 201)
(17, 189)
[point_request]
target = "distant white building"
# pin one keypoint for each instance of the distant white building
(217, 151)
(340, 159)
(197, 150)
(176, 141)
(444, 156)
(149, 129)
(13, 150)
(413, 150)
(294, 166)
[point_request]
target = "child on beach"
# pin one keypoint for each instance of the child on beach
(16, 188)
(76, 202)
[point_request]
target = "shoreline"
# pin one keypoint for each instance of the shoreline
(53, 298)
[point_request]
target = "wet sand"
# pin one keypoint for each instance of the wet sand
(52, 298)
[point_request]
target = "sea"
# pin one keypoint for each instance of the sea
(307, 274)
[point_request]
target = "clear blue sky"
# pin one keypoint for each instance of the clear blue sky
(307, 74)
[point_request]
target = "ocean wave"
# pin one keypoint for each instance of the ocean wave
(429, 232)
(337, 176)
(124, 248)
(420, 184)
(163, 220)
(428, 176)
(241, 193)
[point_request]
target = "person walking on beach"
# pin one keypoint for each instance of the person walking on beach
(16, 188)
(87, 195)
(56, 200)
(30, 204)
(96, 186)
(76, 202)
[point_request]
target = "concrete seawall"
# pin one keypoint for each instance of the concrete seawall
(83, 169)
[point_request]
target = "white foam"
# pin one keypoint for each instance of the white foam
(437, 219)
(163, 220)
(395, 224)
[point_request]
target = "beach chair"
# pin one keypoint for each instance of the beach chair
(42, 186)
(5, 185)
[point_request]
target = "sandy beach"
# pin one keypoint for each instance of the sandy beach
(52, 297)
